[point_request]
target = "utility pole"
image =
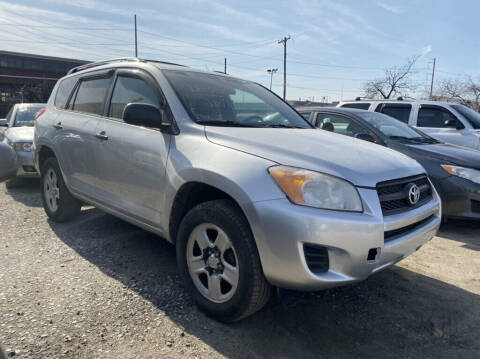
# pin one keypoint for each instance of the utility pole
(136, 48)
(271, 72)
(284, 42)
(225, 66)
(433, 76)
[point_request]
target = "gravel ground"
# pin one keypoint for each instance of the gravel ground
(98, 287)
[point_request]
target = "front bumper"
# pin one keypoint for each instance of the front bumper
(460, 197)
(282, 229)
(26, 167)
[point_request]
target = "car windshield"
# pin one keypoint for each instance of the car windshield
(393, 128)
(25, 115)
(217, 100)
(472, 116)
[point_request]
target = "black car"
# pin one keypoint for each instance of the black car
(454, 170)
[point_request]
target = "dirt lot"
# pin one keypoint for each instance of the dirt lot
(100, 288)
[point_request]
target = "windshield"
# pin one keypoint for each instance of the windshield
(472, 116)
(25, 115)
(224, 101)
(392, 127)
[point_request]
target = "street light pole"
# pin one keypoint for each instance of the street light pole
(271, 72)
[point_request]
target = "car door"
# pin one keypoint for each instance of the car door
(74, 136)
(132, 159)
(440, 123)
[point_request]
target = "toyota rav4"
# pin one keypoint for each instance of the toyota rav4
(249, 192)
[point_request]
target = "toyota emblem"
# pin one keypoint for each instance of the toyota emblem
(413, 194)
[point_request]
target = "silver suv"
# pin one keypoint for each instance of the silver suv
(445, 121)
(249, 192)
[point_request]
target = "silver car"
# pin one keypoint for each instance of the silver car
(17, 131)
(249, 192)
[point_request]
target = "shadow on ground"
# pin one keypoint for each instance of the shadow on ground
(26, 191)
(396, 313)
(464, 231)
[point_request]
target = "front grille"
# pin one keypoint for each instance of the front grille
(395, 233)
(316, 258)
(475, 206)
(393, 194)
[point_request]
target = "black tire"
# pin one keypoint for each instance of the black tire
(253, 290)
(68, 206)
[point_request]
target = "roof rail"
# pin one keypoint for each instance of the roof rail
(120, 59)
(100, 63)
(401, 98)
(362, 98)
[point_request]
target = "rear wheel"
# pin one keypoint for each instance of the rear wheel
(58, 202)
(219, 261)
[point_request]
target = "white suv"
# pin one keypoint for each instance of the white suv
(446, 121)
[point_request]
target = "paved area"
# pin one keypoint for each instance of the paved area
(98, 287)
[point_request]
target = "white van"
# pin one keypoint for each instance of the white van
(446, 121)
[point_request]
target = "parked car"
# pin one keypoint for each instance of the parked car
(454, 170)
(8, 162)
(17, 132)
(250, 202)
(446, 121)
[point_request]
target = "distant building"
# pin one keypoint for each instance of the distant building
(299, 103)
(29, 78)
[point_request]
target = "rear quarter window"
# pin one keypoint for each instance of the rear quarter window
(64, 90)
(360, 106)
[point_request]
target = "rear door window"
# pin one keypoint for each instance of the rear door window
(360, 106)
(400, 112)
(434, 117)
(90, 97)
(131, 90)
(64, 90)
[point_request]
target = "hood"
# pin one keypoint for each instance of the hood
(360, 162)
(461, 156)
(20, 134)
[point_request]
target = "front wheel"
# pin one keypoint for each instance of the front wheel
(219, 261)
(58, 202)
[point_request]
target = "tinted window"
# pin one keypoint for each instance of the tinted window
(90, 96)
(64, 89)
(25, 115)
(472, 116)
(433, 117)
(340, 124)
(217, 100)
(305, 115)
(128, 90)
(361, 106)
(401, 113)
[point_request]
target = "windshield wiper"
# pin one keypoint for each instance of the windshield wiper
(224, 123)
(278, 125)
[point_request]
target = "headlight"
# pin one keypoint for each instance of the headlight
(467, 173)
(22, 146)
(309, 188)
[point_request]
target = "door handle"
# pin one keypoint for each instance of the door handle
(58, 126)
(102, 135)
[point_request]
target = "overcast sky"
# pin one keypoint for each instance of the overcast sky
(335, 45)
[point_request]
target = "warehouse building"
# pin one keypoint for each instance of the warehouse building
(29, 78)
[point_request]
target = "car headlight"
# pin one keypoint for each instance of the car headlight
(467, 173)
(309, 188)
(22, 146)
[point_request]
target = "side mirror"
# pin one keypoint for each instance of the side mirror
(146, 115)
(3, 122)
(454, 123)
(365, 137)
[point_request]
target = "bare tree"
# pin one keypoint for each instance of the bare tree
(396, 81)
(465, 91)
